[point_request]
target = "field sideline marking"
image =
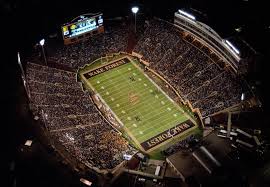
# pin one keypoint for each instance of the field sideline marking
(144, 91)
(158, 88)
(189, 117)
(134, 139)
(183, 114)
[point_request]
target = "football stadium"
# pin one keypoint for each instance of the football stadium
(144, 99)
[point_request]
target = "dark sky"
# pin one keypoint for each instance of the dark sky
(32, 19)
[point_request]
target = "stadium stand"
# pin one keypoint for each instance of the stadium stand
(74, 56)
(73, 119)
(200, 77)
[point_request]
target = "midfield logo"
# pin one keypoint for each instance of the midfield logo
(133, 98)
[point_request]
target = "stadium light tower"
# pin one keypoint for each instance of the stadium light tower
(23, 77)
(134, 10)
(42, 42)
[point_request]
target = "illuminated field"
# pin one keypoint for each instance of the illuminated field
(146, 113)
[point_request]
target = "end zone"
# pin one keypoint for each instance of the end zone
(166, 135)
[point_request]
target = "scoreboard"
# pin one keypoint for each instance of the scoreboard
(82, 27)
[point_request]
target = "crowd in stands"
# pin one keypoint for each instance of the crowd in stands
(72, 118)
(200, 76)
(182, 145)
(115, 39)
(191, 68)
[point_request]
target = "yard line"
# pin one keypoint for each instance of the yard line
(169, 124)
(168, 121)
(123, 92)
(158, 112)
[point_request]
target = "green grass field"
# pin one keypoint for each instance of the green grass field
(143, 109)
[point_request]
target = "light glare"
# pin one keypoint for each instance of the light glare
(19, 59)
(41, 42)
(231, 45)
(242, 97)
(87, 182)
(135, 9)
(187, 14)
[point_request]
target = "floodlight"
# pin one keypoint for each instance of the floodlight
(41, 42)
(232, 46)
(238, 29)
(187, 14)
(242, 97)
(86, 182)
(19, 59)
(28, 143)
(135, 9)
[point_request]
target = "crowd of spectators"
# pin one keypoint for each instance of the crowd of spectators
(71, 118)
(113, 40)
(198, 75)
(183, 145)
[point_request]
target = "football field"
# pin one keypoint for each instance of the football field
(145, 112)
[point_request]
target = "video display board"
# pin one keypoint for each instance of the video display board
(81, 26)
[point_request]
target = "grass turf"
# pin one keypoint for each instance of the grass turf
(138, 103)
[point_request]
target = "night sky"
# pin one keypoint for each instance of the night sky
(32, 19)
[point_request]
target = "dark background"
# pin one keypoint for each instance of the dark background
(25, 22)
(31, 19)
